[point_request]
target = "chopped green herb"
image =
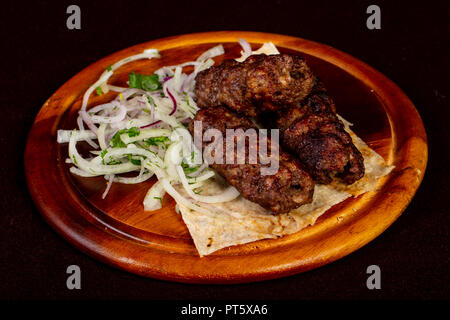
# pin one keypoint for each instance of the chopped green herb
(134, 161)
(109, 68)
(144, 82)
(198, 191)
(188, 169)
(133, 132)
(99, 91)
(186, 98)
(151, 101)
(154, 141)
(104, 152)
(158, 198)
(140, 145)
(75, 160)
(113, 162)
(133, 81)
(116, 141)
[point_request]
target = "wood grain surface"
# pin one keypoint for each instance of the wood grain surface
(157, 244)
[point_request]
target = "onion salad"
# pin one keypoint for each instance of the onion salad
(143, 132)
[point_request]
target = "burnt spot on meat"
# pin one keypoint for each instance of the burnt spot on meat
(297, 75)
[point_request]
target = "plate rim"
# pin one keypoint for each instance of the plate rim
(81, 233)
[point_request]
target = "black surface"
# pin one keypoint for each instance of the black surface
(39, 54)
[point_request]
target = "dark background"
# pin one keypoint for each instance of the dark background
(39, 54)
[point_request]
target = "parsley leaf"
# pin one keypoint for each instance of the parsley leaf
(144, 82)
(116, 142)
(99, 91)
(112, 162)
(153, 141)
(133, 132)
(134, 161)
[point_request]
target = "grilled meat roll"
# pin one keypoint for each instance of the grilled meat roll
(259, 83)
(288, 188)
(283, 93)
(312, 131)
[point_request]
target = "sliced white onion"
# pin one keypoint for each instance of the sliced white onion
(92, 166)
(246, 46)
(211, 53)
(63, 136)
(182, 200)
(101, 136)
(119, 116)
(116, 88)
(145, 134)
(118, 153)
(173, 158)
(134, 180)
(108, 186)
(81, 127)
(229, 194)
(203, 177)
(81, 173)
(154, 196)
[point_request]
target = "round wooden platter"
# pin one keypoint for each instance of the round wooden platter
(157, 244)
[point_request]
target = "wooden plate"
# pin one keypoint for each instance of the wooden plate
(157, 244)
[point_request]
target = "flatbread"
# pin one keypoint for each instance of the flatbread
(242, 221)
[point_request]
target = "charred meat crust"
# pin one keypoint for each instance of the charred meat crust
(287, 189)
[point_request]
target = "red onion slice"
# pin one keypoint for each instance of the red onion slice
(175, 106)
(151, 124)
(120, 114)
(88, 121)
